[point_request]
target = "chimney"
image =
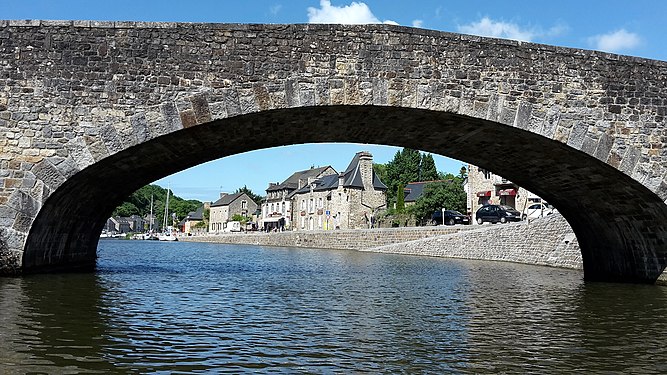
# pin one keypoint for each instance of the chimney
(223, 194)
(366, 168)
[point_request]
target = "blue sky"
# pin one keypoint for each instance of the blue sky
(627, 27)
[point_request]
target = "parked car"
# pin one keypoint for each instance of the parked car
(451, 217)
(495, 213)
(537, 210)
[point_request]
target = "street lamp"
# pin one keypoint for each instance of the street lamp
(443, 216)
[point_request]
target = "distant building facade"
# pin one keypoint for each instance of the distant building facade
(189, 225)
(484, 187)
(119, 224)
(276, 210)
(226, 207)
(347, 200)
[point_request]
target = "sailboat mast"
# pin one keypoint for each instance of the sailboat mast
(150, 223)
(166, 209)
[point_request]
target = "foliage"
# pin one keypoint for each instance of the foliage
(403, 169)
(126, 209)
(240, 218)
(400, 198)
(427, 169)
(407, 166)
(139, 203)
(255, 198)
(437, 195)
(463, 173)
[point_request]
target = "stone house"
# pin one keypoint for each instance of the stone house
(226, 207)
(347, 200)
(484, 187)
(189, 224)
(276, 210)
(120, 224)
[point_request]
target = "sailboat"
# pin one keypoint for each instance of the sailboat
(150, 235)
(168, 233)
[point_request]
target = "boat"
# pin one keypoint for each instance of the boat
(150, 235)
(168, 233)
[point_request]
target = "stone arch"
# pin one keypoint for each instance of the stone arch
(65, 232)
(87, 101)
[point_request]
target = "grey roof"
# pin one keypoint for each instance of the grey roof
(292, 182)
(196, 215)
(351, 178)
(415, 190)
(227, 200)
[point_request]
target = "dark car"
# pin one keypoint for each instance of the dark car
(495, 213)
(451, 217)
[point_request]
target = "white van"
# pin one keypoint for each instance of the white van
(232, 226)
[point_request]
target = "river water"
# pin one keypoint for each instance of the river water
(156, 307)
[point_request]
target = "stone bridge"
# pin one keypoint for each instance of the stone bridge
(91, 111)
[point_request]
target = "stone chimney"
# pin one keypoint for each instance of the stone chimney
(366, 169)
(223, 194)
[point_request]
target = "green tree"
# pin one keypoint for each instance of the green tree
(463, 173)
(126, 209)
(427, 169)
(400, 198)
(256, 198)
(139, 203)
(401, 170)
(437, 195)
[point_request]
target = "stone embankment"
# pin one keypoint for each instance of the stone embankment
(357, 239)
(544, 242)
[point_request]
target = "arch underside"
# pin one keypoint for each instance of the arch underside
(620, 224)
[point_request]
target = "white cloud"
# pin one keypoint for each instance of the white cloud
(275, 9)
(417, 23)
(615, 41)
(497, 29)
(355, 13)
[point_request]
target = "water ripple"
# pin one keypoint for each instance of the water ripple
(202, 308)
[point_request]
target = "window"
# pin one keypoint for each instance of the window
(244, 205)
(311, 204)
(320, 202)
(303, 205)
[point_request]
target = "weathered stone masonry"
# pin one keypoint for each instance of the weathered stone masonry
(91, 111)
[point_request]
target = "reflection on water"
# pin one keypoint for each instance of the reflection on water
(163, 307)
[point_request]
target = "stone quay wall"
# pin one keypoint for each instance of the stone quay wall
(352, 239)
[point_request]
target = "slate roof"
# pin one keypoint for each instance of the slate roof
(416, 189)
(196, 215)
(292, 182)
(351, 178)
(226, 200)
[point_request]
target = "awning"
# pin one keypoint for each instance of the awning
(507, 192)
(484, 193)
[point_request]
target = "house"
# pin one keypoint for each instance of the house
(119, 224)
(347, 200)
(484, 187)
(189, 225)
(276, 210)
(226, 207)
